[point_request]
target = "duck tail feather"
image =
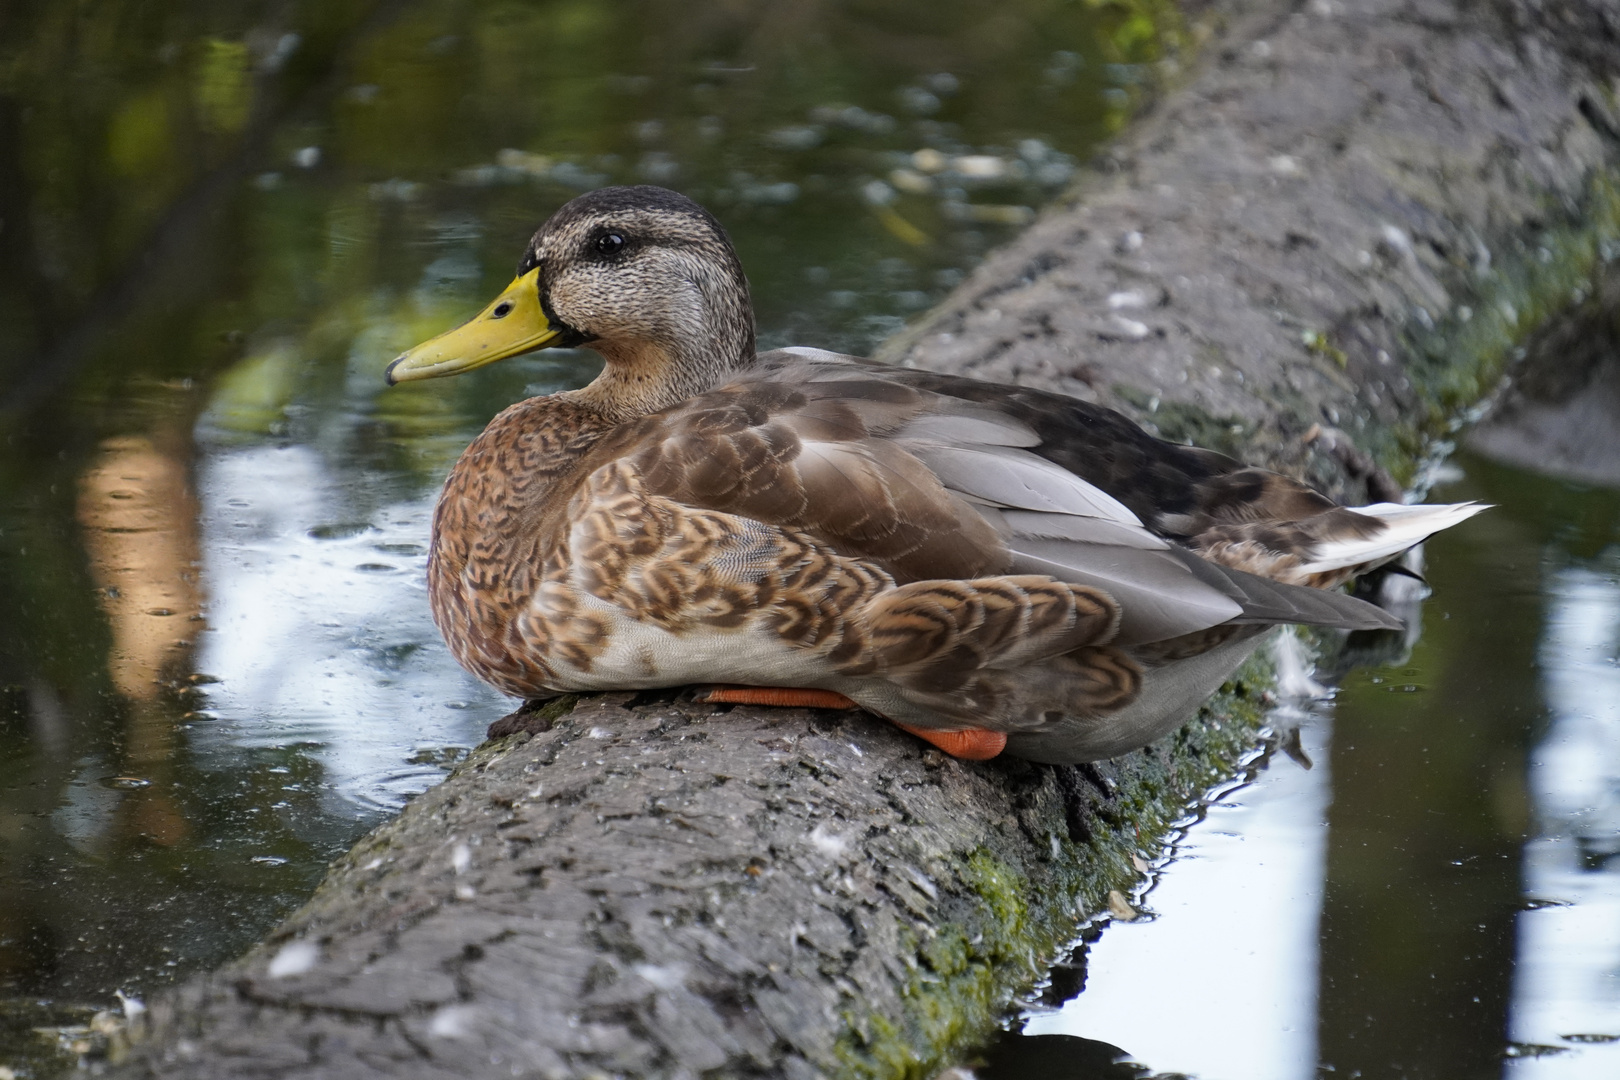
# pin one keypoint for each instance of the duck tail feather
(1266, 601)
(1404, 526)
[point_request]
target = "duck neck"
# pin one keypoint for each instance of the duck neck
(646, 377)
(703, 337)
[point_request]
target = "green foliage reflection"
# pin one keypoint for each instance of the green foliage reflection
(218, 222)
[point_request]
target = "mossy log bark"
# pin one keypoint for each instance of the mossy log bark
(1321, 247)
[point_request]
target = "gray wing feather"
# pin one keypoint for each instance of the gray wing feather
(1056, 523)
(1267, 601)
(1084, 530)
(1017, 479)
(1158, 596)
(820, 356)
(984, 428)
(1164, 594)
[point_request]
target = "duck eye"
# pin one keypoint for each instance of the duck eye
(502, 310)
(609, 243)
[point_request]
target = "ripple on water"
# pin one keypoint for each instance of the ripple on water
(1432, 814)
(306, 650)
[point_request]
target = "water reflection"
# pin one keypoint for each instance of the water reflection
(319, 631)
(1446, 902)
(216, 241)
(1237, 908)
(216, 666)
(138, 518)
(1427, 821)
(1566, 991)
(139, 521)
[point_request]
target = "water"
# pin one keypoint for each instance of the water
(217, 225)
(1439, 896)
(216, 666)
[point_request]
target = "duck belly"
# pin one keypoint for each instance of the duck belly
(640, 655)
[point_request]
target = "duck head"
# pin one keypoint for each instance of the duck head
(643, 275)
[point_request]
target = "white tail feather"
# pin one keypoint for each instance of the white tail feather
(1406, 526)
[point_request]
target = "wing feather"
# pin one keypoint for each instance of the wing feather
(1158, 596)
(1017, 479)
(935, 486)
(978, 427)
(1266, 601)
(1085, 530)
(1404, 525)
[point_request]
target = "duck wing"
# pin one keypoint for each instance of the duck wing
(1237, 516)
(882, 465)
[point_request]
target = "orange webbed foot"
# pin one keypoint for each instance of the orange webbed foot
(969, 744)
(776, 695)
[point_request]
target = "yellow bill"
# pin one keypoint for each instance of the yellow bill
(514, 323)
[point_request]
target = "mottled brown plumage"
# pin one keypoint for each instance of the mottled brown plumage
(950, 554)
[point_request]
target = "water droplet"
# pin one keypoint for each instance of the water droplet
(268, 860)
(159, 611)
(125, 783)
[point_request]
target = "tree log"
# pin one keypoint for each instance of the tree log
(1318, 251)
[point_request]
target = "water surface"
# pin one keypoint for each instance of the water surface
(217, 225)
(1439, 896)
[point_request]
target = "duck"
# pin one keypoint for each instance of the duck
(992, 568)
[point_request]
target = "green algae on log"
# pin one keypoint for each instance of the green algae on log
(1099, 823)
(1335, 231)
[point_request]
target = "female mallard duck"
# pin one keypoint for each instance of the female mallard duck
(989, 567)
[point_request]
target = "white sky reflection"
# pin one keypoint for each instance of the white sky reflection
(1237, 913)
(325, 640)
(1567, 980)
